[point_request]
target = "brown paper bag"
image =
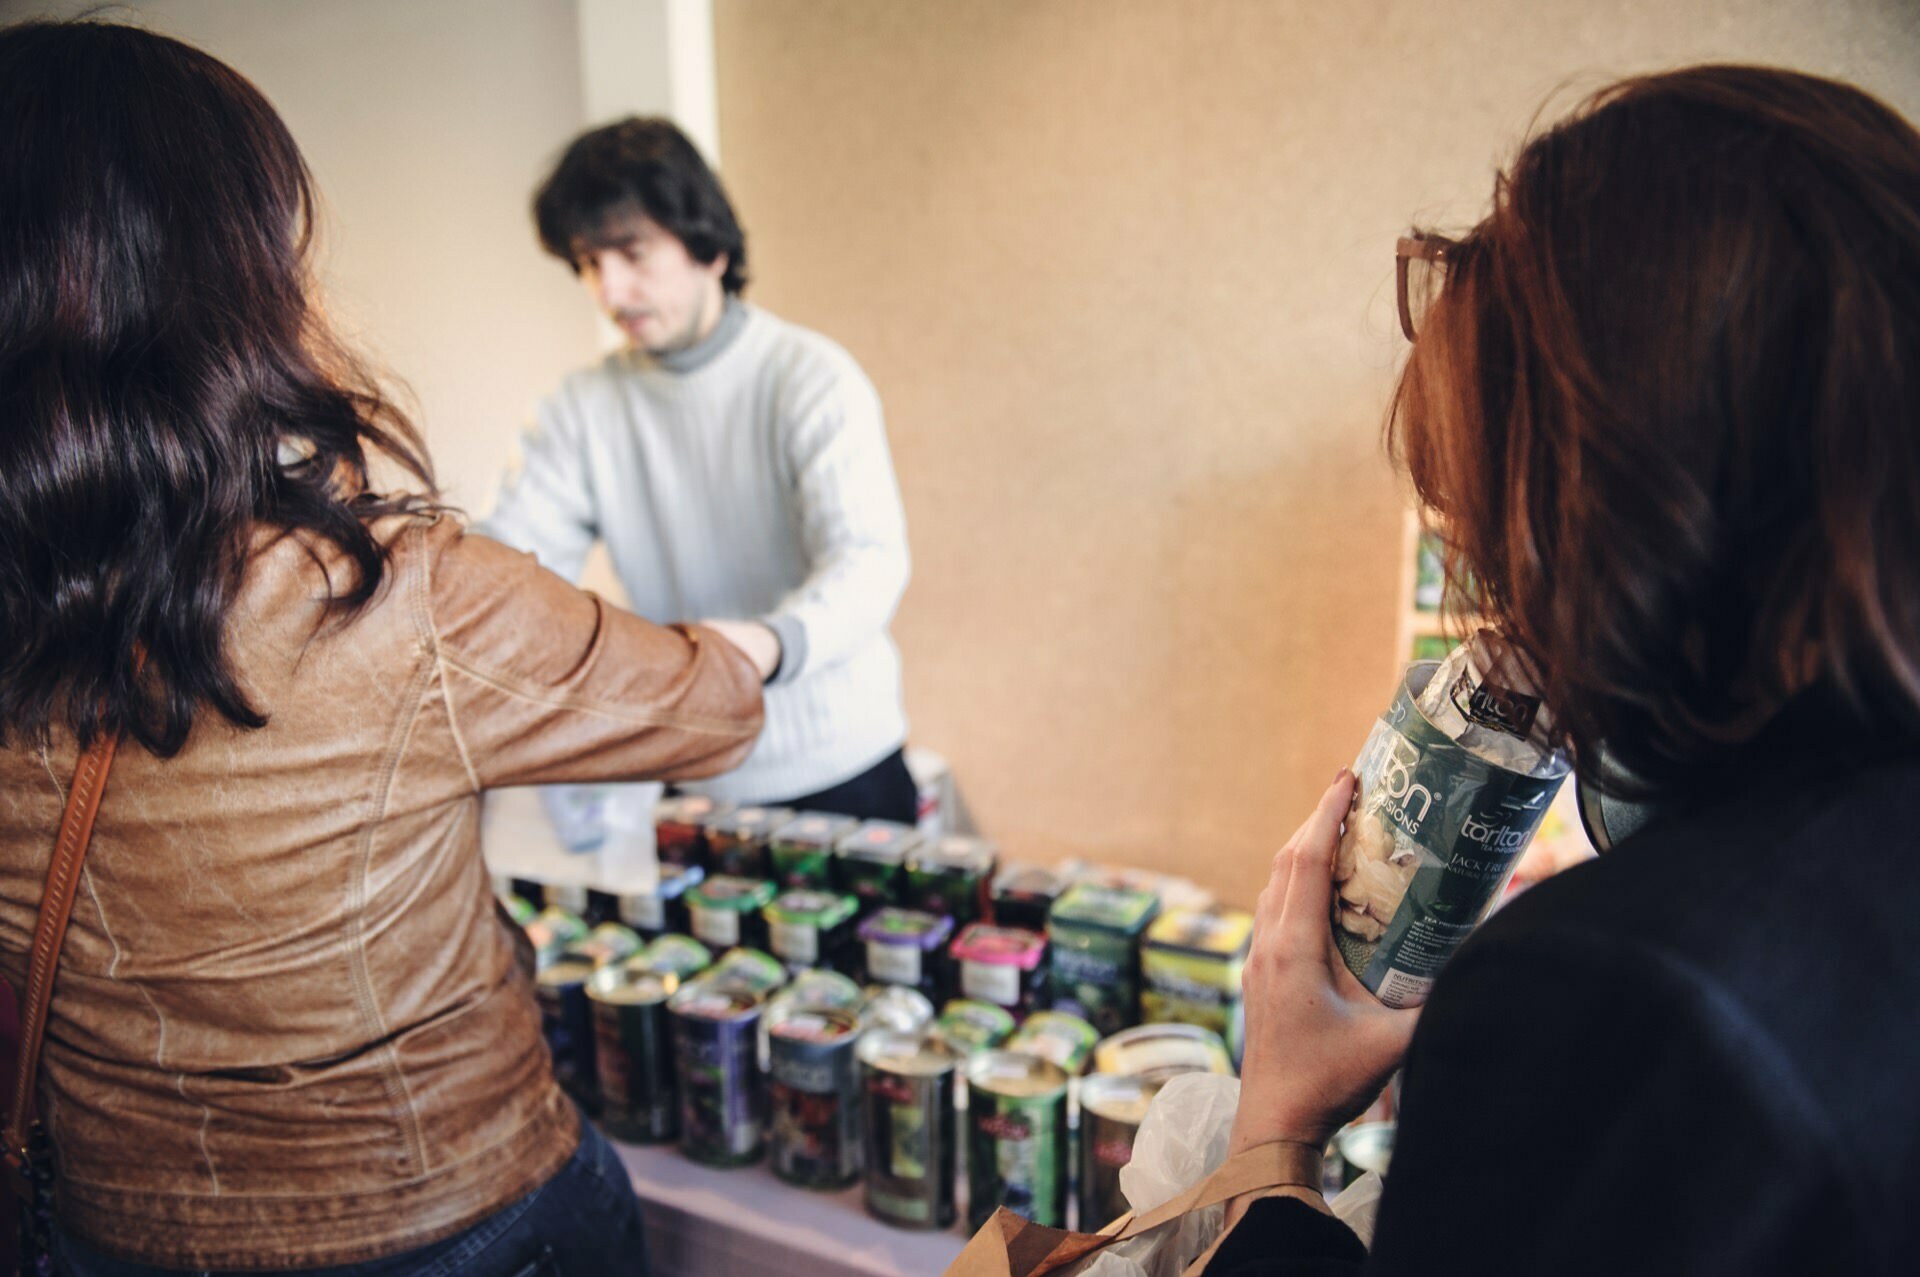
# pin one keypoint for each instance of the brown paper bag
(1009, 1246)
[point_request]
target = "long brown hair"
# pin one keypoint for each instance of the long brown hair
(1666, 409)
(166, 384)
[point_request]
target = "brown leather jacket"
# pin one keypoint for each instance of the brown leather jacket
(288, 1030)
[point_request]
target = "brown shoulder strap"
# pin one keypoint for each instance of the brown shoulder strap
(56, 907)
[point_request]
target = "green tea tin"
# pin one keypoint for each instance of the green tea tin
(1095, 931)
(725, 911)
(1190, 966)
(1016, 1138)
(737, 842)
(801, 851)
(951, 876)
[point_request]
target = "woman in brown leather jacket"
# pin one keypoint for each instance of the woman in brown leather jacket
(287, 1031)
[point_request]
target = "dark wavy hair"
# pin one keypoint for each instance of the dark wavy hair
(1666, 408)
(639, 165)
(167, 387)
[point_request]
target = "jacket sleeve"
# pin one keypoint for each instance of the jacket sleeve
(1573, 1104)
(547, 506)
(853, 531)
(546, 683)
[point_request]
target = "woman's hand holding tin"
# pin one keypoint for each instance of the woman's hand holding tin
(1319, 1047)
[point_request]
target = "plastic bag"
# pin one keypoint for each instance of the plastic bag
(1182, 1141)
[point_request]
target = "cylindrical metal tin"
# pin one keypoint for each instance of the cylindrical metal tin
(801, 851)
(551, 931)
(814, 1096)
(717, 1063)
(1095, 933)
(896, 1008)
(950, 877)
(663, 910)
(607, 943)
(680, 828)
(812, 929)
(682, 955)
(870, 864)
(1065, 1039)
(726, 912)
(909, 948)
(1161, 1051)
(633, 1052)
(1006, 966)
(1023, 895)
(1016, 1138)
(968, 1025)
(1111, 1110)
(907, 1081)
(737, 842)
(566, 1020)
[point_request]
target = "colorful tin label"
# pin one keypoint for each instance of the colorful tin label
(907, 947)
(951, 877)
(810, 928)
(1016, 1138)
(1095, 931)
(725, 912)
(1434, 834)
(1111, 1110)
(1002, 965)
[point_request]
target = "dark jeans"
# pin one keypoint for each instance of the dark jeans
(885, 791)
(583, 1221)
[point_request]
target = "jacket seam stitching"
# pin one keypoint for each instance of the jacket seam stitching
(504, 683)
(423, 618)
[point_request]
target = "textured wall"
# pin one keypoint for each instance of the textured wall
(1122, 270)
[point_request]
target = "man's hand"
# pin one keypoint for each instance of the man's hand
(760, 643)
(1318, 1045)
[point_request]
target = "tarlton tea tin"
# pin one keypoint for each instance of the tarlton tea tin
(1161, 1051)
(968, 1025)
(801, 851)
(680, 828)
(870, 863)
(823, 991)
(750, 969)
(907, 1081)
(737, 842)
(1003, 965)
(725, 911)
(1434, 833)
(633, 1052)
(951, 876)
(1111, 1110)
(909, 948)
(682, 956)
(808, 928)
(1064, 1039)
(1023, 896)
(814, 1096)
(1190, 966)
(1016, 1138)
(663, 910)
(566, 1020)
(608, 942)
(1095, 931)
(896, 1008)
(717, 1062)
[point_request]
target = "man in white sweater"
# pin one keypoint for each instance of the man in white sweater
(735, 465)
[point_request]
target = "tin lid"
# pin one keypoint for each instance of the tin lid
(608, 942)
(564, 924)
(681, 955)
(624, 984)
(1368, 1145)
(1000, 946)
(571, 896)
(800, 1023)
(968, 1024)
(568, 969)
(814, 829)
(742, 895)
(748, 969)
(879, 841)
(827, 990)
(895, 1006)
(750, 822)
(956, 854)
(1015, 1075)
(907, 927)
(689, 809)
(915, 1054)
(823, 909)
(1065, 1039)
(1029, 882)
(1162, 1050)
(1216, 932)
(1121, 909)
(1119, 1099)
(706, 999)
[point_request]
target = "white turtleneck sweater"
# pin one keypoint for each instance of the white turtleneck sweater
(745, 478)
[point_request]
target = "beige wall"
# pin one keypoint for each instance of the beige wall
(1122, 272)
(426, 124)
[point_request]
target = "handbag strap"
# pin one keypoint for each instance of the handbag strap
(56, 908)
(1281, 1164)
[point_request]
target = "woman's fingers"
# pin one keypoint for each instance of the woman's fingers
(1308, 901)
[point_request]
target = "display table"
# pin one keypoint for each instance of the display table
(703, 1222)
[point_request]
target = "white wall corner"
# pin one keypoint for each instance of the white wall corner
(651, 57)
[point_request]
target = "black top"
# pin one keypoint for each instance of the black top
(1699, 1054)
